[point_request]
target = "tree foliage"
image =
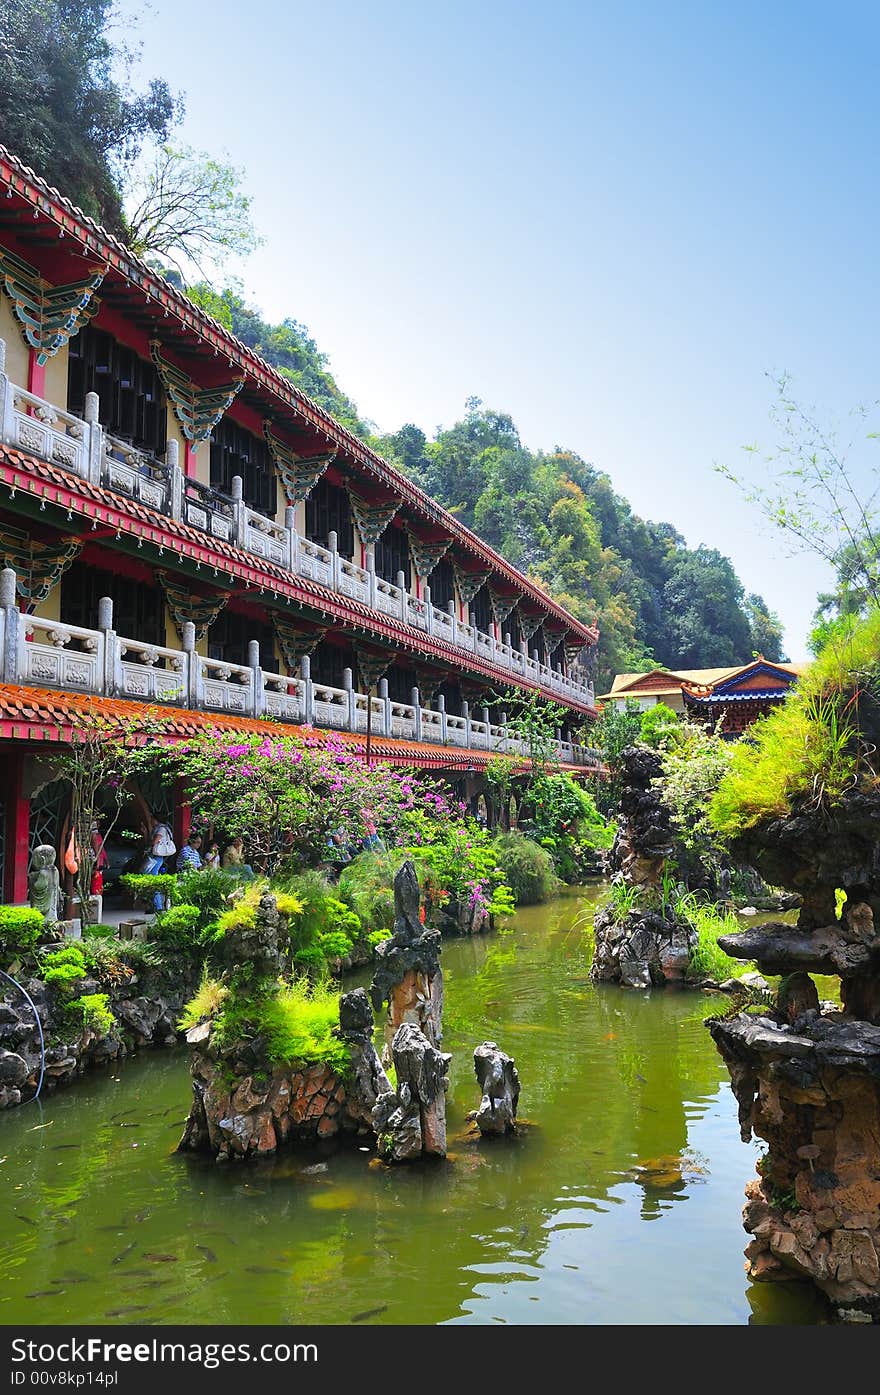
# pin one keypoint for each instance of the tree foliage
(188, 209)
(66, 103)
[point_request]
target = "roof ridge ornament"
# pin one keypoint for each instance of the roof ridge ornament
(49, 315)
(197, 409)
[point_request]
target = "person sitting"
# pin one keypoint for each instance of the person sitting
(233, 860)
(189, 859)
(212, 857)
(338, 854)
(372, 842)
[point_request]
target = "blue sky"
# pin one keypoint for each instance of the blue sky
(610, 220)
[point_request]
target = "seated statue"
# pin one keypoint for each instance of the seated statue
(44, 884)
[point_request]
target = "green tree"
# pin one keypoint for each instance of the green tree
(66, 102)
(188, 209)
(765, 629)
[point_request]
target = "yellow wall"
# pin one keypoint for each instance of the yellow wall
(55, 390)
(16, 348)
(50, 608)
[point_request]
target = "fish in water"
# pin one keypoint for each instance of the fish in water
(262, 1269)
(316, 1167)
(27, 1219)
(208, 1253)
(74, 1277)
(160, 1259)
(641, 1078)
(127, 1273)
(122, 1113)
(142, 1215)
(45, 1293)
(117, 1259)
(57, 1147)
(68, 1241)
(147, 1283)
(132, 1124)
(371, 1312)
(132, 1308)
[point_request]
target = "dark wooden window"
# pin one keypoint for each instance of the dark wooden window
(537, 642)
(452, 694)
(235, 451)
(481, 611)
(511, 627)
(401, 682)
(442, 584)
(328, 662)
(132, 402)
(328, 511)
(392, 555)
(138, 608)
(230, 634)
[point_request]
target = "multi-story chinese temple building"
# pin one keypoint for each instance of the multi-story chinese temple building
(185, 534)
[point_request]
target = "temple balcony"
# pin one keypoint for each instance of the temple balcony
(83, 448)
(42, 653)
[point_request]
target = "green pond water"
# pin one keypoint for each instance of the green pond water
(620, 1203)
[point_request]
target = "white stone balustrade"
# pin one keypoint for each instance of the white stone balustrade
(81, 446)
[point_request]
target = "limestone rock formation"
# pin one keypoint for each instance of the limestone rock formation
(411, 1120)
(807, 1078)
(646, 945)
(498, 1079)
(408, 975)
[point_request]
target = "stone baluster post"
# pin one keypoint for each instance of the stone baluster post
(192, 667)
(417, 714)
(386, 706)
(333, 548)
(466, 713)
(370, 565)
(253, 658)
(305, 672)
(111, 678)
(451, 608)
(172, 460)
(441, 708)
(404, 597)
(348, 685)
(94, 439)
(429, 613)
(239, 512)
(291, 547)
(13, 628)
(502, 722)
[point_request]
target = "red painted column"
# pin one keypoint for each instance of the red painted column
(36, 382)
(18, 830)
(182, 813)
(189, 461)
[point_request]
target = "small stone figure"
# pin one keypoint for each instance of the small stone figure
(498, 1079)
(44, 884)
(368, 1080)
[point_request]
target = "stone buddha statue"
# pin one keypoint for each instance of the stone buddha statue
(44, 884)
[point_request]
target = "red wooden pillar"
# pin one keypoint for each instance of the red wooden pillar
(18, 830)
(36, 375)
(182, 814)
(189, 461)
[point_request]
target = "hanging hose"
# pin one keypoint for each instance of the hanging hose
(25, 994)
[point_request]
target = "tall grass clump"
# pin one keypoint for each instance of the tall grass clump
(707, 959)
(366, 885)
(817, 745)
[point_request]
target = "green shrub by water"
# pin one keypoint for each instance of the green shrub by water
(92, 1010)
(62, 968)
(178, 927)
(20, 929)
(527, 867)
(366, 885)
